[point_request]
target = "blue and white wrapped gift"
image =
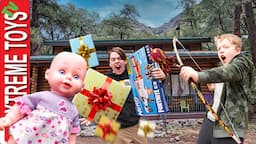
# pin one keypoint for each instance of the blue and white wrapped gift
(84, 46)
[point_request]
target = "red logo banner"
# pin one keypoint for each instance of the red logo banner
(14, 54)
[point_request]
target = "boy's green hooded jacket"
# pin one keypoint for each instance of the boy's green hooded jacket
(239, 79)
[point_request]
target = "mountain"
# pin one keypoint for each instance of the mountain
(172, 24)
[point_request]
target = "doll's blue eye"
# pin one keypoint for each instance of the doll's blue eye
(76, 77)
(62, 72)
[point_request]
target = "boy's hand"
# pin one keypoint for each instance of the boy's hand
(188, 73)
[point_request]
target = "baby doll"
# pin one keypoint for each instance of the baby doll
(49, 117)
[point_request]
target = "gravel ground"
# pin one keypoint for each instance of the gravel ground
(177, 132)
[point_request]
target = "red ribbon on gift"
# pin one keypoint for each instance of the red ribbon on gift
(107, 129)
(100, 99)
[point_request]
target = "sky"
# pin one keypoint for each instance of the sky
(153, 13)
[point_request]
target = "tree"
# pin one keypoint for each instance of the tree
(190, 17)
(129, 11)
(76, 22)
(122, 23)
(119, 25)
(215, 17)
(251, 27)
(237, 21)
(52, 21)
(207, 18)
(39, 20)
(248, 17)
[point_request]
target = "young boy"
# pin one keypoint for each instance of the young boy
(232, 80)
(49, 116)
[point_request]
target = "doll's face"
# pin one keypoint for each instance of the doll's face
(117, 64)
(227, 51)
(66, 74)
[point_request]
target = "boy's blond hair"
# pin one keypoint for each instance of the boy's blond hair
(233, 39)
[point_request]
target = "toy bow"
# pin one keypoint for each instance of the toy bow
(201, 97)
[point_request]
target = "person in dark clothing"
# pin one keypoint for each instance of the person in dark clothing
(128, 117)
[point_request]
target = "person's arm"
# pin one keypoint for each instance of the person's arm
(11, 117)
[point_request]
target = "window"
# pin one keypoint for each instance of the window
(177, 90)
(179, 86)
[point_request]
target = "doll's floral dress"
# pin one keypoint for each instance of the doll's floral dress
(50, 119)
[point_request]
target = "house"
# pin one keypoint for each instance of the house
(176, 89)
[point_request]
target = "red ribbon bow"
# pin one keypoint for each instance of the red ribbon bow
(107, 129)
(100, 99)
